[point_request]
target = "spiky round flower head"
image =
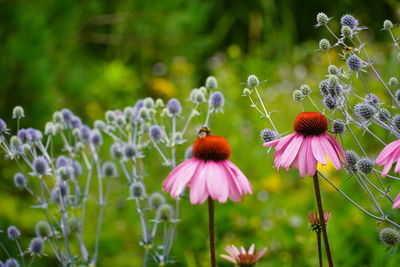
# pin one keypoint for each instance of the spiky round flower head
(197, 96)
(148, 102)
(396, 121)
(19, 180)
(268, 135)
(330, 102)
(305, 89)
(393, 82)
(40, 166)
(349, 20)
(189, 153)
(365, 165)
(65, 173)
(42, 229)
(174, 107)
(155, 133)
(322, 19)
(26, 148)
(121, 120)
(324, 87)
(73, 225)
(36, 245)
(310, 123)
(383, 114)
(62, 161)
(159, 103)
(66, 115)
(165, 113)
(15, 142)
(99, 125)
(387, 25)
(137, 190)
(145, 127)
(96, 138)
(76, 122)
(324, 44)
(84, 133)
(50, 129)
(116, 151)
(11, 262)
(165, 212)
(246, 91)
(57, 117)
(156, 200)
(110, 116)
(109, 169)
(298, 96)
(13, 232)
(333, 70)
(18, 112)
(338, 127)
(216, 101)
(397, 95)
(34, 134)
(77, 168)
(352, 159)
(354, 62)
(211, 82)
(347, 31)
(364, 111)
(63, 189)
(130, 151)
(389, 236)
(372, 99)
(252, 81)
(128, 112)
(3, 127)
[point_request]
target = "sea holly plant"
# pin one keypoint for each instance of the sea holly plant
(346, 105)
(71, 164)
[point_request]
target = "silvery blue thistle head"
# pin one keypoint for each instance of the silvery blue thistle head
(63, 189)
(211, 83)
(40, 166)
(130, 151)
(66, 115)
(354, 63)
(13, 233)
(298, 96)
(148, 102)
(165, 212)
(383, 114)
(50, 129)
(387, 25)
(268, 135)
(76, 122)
(338, 127)
(372, 99)
(364, 111)
(73, 225)
(128, 112)
(11, 262)
(347, 32)
(77, 168)
(322, 19)
(330, 102)
(305, 89)
(99, 125)
(137, 190)
(397, 95)
(352, 159)
(19, 180)
(216, 101)
(85, 132)
(116, 151)
(18, 112)
(156, 200)
(365, 165)
(252, 81)
(57, 117)
(349, 20)
(324, 44)
(324, 87)
(155, 133)
(394, 82)
(109, 169)
(3, 127)
(159, 103)
(36, 246)
(138, 105)
(197, 96)
(396, 121)
(35, 135)
(65, 173)
(110, 116)
(62, 161)
(42, 229)
(174, 107)
(333, 70)
(96, 138)
(389, 236)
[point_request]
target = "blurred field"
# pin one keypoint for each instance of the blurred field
(91, 56)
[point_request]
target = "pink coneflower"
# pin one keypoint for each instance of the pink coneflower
(389, 155)
(242, 257)
(209, 173)
(396, 202)
(315, 222)
(307, 146)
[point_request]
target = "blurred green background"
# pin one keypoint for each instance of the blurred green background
(91, 56)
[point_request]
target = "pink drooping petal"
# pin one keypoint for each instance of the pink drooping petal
(337, 146)
(396, 203)
(238, 178)
(331, 152)
(318, 150)
(198, 188)
(272, 143)
(217, 181)
(389, 160)
(285, 141)
(290, 152)
(386, 152)
(311, 161)
(303, 158)
(396, 158)
(178, 179)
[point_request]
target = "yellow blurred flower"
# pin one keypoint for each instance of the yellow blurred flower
(93, 110)
(162, 87)
(272, 183)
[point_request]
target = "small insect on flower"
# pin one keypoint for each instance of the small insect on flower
(242, 257)
(315, 222)
(308, 145)
(209, 173)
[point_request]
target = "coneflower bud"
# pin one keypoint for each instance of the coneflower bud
(338, 127)
(354, 62)
(352, 159)
(324, 44)
(298, 96)
(216, 101)
(36, 245)
(383, 114)
(252, 81)
(387, 25)
(148, 102)
(365, 165)
(110, 116)
(13, 233)
(349, 20)
(73, 225)
(11, 262)
(364, 111)
(305, 89)
(174, 107)
(396, 121)
(40, 166)
(268, 135)
(50, 129)
(66, 115)
(138, 190)
(19, 180)
(18, 112)
(389, 236)
(156, 200)
(393, 82)
(189, 153)
(99, 125)
(315, 222)
(211, 82)
(109, 169)
(96, 138)
(330, 102)
(42, 229)
(155, 133)
(57, 117)
(165, 213)
(159, 103)
(324, 87)
(322, 19)
(346, 31)
(333, 70)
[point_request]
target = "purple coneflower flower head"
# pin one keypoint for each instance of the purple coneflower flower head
(174, 107)
(349, 20)
(155, 133)
(13, 233)
(40, 166)
(243, 257)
